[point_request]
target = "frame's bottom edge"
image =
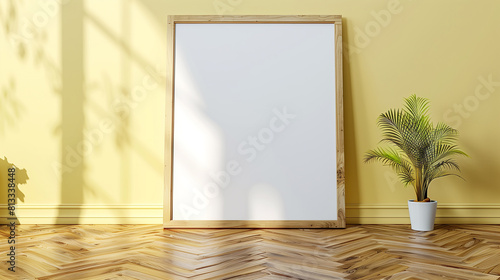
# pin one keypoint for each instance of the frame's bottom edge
(170, 224)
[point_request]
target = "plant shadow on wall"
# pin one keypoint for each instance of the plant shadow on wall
(82, 138)
(81, 107)
(28, 44)
(11, 108)
(28, 39)
(20, 177)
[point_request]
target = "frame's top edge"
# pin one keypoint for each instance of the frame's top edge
(337, 19)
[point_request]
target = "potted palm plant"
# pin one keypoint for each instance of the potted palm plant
(418, 152)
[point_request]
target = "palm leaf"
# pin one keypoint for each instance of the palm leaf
(391, 157)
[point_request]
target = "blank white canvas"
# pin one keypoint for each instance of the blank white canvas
(254, 122)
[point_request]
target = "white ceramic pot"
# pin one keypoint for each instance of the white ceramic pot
(422, 214)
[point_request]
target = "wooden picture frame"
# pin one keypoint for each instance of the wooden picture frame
(211, 110)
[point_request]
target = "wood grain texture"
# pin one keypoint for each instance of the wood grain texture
(336, 19)
(339, 102)
(149, 252)
(254, 224)
(169, 121)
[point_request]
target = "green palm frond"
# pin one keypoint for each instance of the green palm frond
(421, 151)
(444, 134)
(391, 157)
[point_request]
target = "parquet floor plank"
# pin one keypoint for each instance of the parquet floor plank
(149, 252)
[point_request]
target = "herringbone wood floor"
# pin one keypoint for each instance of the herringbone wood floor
(149, 252)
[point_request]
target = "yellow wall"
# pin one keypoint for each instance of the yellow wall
(82, 94)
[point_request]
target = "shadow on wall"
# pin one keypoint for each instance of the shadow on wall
(11, 107)
(20, 177)
(72, 96)
(82, 138)
(351, 154)
(69, 80)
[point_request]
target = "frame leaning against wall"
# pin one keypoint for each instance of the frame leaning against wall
(173, 129)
